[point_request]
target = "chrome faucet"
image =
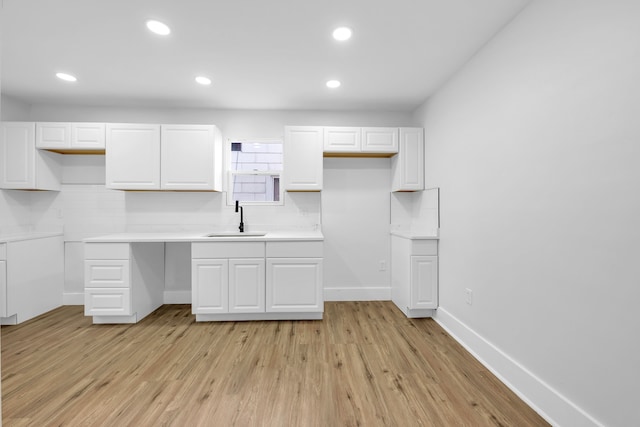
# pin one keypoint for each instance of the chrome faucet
(241, 228)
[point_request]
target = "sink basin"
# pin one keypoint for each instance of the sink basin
(235, 234)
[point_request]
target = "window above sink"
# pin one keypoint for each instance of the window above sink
(255, 167)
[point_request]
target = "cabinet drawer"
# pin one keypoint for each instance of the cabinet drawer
(424, 247)
(3, 251)
(295, 249)
(106, 251)
(106, 274)
(107, 302)
(227, 250)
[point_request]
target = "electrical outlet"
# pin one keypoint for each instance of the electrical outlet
(383, 265)
(468, 296)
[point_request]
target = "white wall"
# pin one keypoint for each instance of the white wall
(535, 145)
(355, 223)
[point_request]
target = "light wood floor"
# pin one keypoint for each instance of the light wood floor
(365, 364)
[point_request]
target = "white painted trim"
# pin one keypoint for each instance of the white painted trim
(237, 317)
(557, 409)
(73, 298)
(177, 297)
(358, 294)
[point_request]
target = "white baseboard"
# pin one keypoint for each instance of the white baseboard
(73, 298)
(357, 294)
(177, 297)
(546, 401)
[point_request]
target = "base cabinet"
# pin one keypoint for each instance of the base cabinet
(3, 289)
(414, 275)
(124, 282)
(25, 291)
(294, 284)
(228, 286)
(271, 281)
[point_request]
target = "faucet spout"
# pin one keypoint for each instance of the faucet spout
(241, 227)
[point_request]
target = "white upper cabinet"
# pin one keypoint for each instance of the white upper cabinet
(407, 167)
(23, 167)
(380, 140)
(355, 141)
(342, 139)
(303, 158)
(167, 157)
(133, 157)
(71, 137)
(189, 159)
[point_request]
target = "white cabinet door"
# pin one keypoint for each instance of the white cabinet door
(22, 166)
(133, 157)
(88, 136)
(342, 139)
(407, 168)
(246, 285)
(18, 153)
(188, 157)
(53, 135)
(303, 158)
(294, 285)
(424, 282)
(3, 289)
(209, 286)
(379, 140)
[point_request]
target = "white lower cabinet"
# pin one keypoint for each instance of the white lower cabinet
(256, 280)
(3, 289)
(31, 278)
(414, 275)
(228, 285)
(294, 285)
(124, 282)
(246, 285)
(294, 277)
(210, 286)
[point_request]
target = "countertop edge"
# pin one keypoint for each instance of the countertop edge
(29, 236)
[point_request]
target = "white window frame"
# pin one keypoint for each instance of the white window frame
(231, 173)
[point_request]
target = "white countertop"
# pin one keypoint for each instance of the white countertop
(192, 236)
(412, 235)
(17, 237)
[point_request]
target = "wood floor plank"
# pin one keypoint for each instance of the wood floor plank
(365, 364)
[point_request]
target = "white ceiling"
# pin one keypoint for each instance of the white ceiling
(260, 54)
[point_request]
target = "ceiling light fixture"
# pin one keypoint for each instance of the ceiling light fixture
(205, 81)
(332, 84)
(158, 28)
(66, 77)
(342, 33)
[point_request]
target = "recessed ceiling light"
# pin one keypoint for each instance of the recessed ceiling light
(66, 77)
(205, 81)
(342, 33)
(158, 28)
(333, 84)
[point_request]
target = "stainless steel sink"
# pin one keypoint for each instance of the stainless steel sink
(235, 234)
